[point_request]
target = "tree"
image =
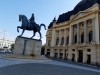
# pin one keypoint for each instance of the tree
(12, 46)
(43, 50)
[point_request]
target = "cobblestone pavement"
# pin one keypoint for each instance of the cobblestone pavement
(43, 67)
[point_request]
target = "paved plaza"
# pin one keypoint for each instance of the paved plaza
(43, 67)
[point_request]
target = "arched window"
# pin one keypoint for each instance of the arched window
(67, 40)
(62, 41)
(75, 38)
(90, 36)
(57, 41)
(82, 38)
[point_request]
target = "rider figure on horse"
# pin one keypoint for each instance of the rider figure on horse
(32, 20)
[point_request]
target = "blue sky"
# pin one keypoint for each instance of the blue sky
(44, 11)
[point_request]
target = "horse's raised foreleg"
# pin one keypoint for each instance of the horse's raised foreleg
(33, 34)
(18, 28)
(22, 32)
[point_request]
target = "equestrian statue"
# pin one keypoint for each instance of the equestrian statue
(30, 25)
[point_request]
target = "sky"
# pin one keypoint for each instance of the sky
(44, 12)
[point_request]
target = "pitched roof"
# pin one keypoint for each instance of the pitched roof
(81, 6)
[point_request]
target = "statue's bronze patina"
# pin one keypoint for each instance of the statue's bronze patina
(29, 25)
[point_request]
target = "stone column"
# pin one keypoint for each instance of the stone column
(63, 53)
(53, 37)
(52, 52)
(71, 35)
(97, 28)
(65, 36)
(46, 41)
(70, 54)
(85, 32)
(58, 53)
(59, 38)
(45, 50)
(93, 55)
(84, 55)
(78, 35)
(76, 55)
(93, 24)
(98, 55)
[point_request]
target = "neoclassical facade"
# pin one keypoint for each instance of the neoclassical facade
(75, 35)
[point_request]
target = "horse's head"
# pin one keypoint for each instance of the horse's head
(20, 17)
(24, 20)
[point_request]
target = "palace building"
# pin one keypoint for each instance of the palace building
(75, 35)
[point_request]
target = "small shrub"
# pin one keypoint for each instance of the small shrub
(32, 55)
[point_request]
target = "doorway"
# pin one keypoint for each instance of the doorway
(56, 55)
(88, 59)
(66, 55)
(73, 57)
(61, 55)
(48, 53)
(80, 56)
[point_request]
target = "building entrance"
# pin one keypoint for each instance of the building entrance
(88, 59)
(48, 53)
(80, 56)
(73, 57)
(61, 55)
(65, 56)
(56, 55)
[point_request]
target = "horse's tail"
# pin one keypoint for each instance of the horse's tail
(42, 25)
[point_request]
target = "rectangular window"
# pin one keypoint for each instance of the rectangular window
(88, 50)
(73, 50)
(66, 50)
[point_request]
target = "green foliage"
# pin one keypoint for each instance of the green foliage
(43, 50)
(32, 55)
(12, 46)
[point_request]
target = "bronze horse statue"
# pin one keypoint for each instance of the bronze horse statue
(26, 25)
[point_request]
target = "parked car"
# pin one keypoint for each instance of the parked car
(6, 51)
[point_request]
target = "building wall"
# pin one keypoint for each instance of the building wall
(77, 39)
(5, 43)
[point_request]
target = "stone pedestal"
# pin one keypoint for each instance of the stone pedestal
(27, 46)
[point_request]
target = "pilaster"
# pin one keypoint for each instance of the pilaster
(65, 36)
(85, 32)
(84, 56)
(93, 24)
(53, 37)
(71, 35)
(59, 38)
(76, 55)
(78, 30)
(97, 28)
